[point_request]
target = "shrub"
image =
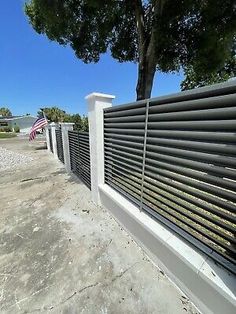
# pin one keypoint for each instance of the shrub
(17, 128)
(5, 129)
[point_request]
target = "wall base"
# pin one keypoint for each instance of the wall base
(209, 286)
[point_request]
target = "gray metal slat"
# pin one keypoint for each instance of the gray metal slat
(224, 137)
(123, 178)
(84, 133)
(84, 149)
(206, 178)
(205, 234)
(84, 138)
(124, 131)
(176, 198)
(123, 172)
(206, 158)
(136, 118)
(204, 114)
(209, 125)
(123, 143)
(123, 192)
(168, 178)
(122, 169)
(125, 137)
(130, 189)
(198, 104)
(120, 113)
(116, 147)
(133, 125)
(84, 178)
(192, 164)
(183, 225)
(85, 163)
(110, 172)
(118, 153)
(194, 145)
(198, 93)
(111, 162)
(127, 160)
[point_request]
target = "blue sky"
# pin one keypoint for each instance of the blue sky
(35, 72)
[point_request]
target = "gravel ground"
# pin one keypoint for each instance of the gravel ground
(11, 160)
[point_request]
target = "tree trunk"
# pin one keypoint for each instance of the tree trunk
(147, 60)
(146, 73)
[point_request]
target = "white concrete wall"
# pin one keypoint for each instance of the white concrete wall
(96, 103)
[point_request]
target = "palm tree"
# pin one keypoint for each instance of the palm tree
(5, 112)
(54, 114)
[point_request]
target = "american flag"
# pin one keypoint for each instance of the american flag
(38, 124)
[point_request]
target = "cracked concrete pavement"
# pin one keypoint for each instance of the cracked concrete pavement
(59, 253)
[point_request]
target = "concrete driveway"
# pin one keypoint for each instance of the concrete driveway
(59, 253)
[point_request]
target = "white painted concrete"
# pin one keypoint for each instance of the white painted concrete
(47, 136)
(96, 103)
(65, 127)
(208, 285)
(53, 126)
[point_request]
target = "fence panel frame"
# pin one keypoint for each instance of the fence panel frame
(222, 92)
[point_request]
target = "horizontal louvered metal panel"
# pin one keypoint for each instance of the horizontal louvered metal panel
(183, 169)
(60, 151)
(80, 155)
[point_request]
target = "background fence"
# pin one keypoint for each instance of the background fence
(80, 155)
(174, 157)
(60, 152)
(50, 139)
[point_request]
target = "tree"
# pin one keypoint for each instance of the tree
(54, 114)
(5, 112)
(159, 35)
(85, 124)
(76, 119)
(193, 79)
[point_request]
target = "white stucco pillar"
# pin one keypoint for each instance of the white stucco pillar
(65, 127)
(47, 136)
(53, 126)
(96, 103)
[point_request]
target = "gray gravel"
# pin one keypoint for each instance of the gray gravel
(11, 160)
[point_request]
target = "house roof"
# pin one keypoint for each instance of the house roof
(10, 118)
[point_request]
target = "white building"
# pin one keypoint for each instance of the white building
(23, 122)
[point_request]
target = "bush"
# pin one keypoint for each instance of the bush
(5, 129)
(17, 128)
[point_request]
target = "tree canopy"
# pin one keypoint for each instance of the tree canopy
(193, 79)
(55, 114)
(5, 112)
(162, 35)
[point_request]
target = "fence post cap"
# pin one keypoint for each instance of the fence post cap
(99, 95)
(53, 124)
